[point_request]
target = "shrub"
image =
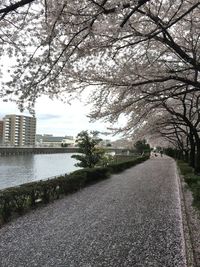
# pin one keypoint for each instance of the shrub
(192, 180)
(196, 195)
(185, 168)
(92, 175)
(118, 167)
(90, 155)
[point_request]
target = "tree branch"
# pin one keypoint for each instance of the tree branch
(13, 7)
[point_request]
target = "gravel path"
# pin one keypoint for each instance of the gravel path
(132, 219)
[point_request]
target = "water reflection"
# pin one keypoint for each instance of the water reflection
(19, 169)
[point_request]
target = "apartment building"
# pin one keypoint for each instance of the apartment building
(1, 131)
(19, 130)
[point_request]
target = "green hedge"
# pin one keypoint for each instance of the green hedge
(192, 180)
(185, 168)
(17, 200)
(118, 167)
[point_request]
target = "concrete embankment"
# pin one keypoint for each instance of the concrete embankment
(35, 150)
(4, 151)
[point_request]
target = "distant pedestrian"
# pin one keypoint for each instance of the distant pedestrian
(161, 153)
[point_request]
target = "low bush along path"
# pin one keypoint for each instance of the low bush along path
(131, 219)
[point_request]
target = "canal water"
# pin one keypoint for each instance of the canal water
(20, 169)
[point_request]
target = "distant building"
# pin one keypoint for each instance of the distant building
(1, 132)
(19, 130)
(48, 140)
(68, 141)
(122, 143)
(105, 143)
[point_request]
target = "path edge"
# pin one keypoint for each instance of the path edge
(187, 236)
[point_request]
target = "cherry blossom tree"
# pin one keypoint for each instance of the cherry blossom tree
(62, 46)
(176, 119)
(140, 58)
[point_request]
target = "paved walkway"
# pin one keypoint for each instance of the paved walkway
(132, 219)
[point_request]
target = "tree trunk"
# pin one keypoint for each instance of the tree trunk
(192, 152)
(180, 155)
(186, 156)
(197, 159)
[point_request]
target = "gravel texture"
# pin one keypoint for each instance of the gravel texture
(132, 219)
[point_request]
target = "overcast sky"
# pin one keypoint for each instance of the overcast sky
(55, 117)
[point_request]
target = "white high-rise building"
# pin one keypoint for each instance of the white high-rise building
(19, 130)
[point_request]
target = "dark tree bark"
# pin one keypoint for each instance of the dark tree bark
(192, 151)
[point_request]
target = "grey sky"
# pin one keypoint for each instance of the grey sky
(58, 118)
(55, 117)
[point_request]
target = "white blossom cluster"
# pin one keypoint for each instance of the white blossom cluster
(142, 59)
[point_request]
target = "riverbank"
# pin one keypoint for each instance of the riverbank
(20, 169)
(18, 200)
(5, 151)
